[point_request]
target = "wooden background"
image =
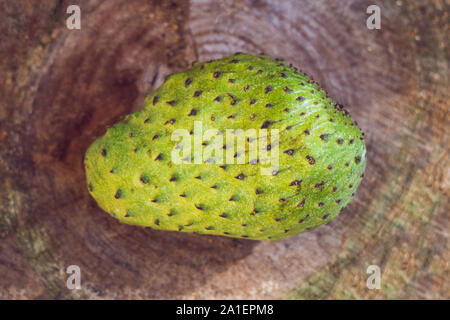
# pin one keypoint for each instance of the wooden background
(59, 89)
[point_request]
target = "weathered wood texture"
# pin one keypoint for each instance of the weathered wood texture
(59, 89)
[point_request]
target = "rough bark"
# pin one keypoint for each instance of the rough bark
(60, 88)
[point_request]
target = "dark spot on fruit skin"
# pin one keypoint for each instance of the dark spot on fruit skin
(214, 186)
(234, 61)
(330, 168)
(183, 195)
(286, 110)
(300, 98)
(171, 102)
(260, 71)
(307, 132)
(246, 87)
(258, 191)
(289, 152)
(233, 198)
(193, 113)
(217, 74)
(283, 75)
(266, 124)
(287, 89)
(209, 228)
(268, 147)
(224, 215)
(144, 179)
(91, 188)
(231, 80)
(157, 222)
(334, 189)
(295, 183)
(268, 105)
(324, 137)
(286, 230)
(318, 185)
(282, 200)
(159, 157)
(331, 120)
(318, 116)
(155, 137)
(147, 120)
(104, 152)
(301, 204)
(224, 167)
(155, 100)
(218, 98)
(357, 160)
(277, 219)
(198, 177)
(171, 121)
(131, 135)
(173, 178)
(253, 101)
(350, 186)
(250, 68)
(128, 214)
(340, 141)
(240, 176)
(197, 93)
(118, 194)
(338, 201)
(351, 141)
(199, 207)
(187, 82)
(310, 159)
(268, 89)
(320, 204)
(325, 216)
(231, 116)
(347, 164)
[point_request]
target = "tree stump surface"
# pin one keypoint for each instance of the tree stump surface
(60, 88)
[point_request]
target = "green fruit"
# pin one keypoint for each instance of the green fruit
(131, 173)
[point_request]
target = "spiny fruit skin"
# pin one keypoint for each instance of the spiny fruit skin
(321, 154)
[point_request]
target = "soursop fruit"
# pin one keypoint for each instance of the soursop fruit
(133, 175)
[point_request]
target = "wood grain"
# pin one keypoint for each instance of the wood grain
(60, 88)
